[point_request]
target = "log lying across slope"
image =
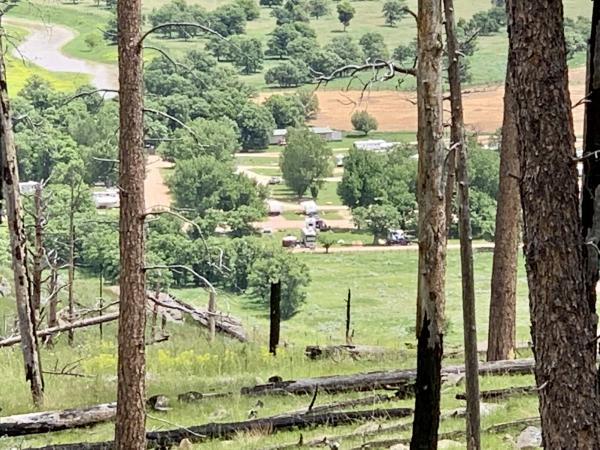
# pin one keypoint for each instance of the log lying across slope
(224, 323)
(164, 439)
(380, 380)
(65, 419)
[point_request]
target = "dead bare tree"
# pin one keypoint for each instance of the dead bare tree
(10, 189)
(432, 226)
(458, 147)
(130, 421)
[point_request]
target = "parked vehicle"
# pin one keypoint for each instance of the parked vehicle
(309, 237)
(289, 241)
(397, 237)
(275, 180)
(310, 208)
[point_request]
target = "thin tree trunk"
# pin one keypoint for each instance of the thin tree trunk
(457, 141)
(348, 317)
(71, 270)
(432, 226)
(10, 188)
(130, 422)
(562, 322)
(212, 310)
(275, 317)
(52, 300)
(503, 301)
(36, 294)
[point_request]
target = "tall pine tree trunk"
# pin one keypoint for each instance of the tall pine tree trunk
(563, 326)
(590, 206)
(457, 142)
(16, 230)
(432, 226)
(130, 421)
(503, 301)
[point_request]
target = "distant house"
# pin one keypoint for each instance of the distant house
(28, 187)
(374, 145)
(327, 133)
(106, 199)
(279, 135)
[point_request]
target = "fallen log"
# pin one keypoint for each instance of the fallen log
(502, 393)
(44, 422)
(224, 323)
(370, 400)
(395, 379)
(70, 326)
(336, 351)
(164, 439)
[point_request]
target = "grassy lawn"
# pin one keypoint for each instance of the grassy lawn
(488, 64)
(275, 171)
(246, 160)
(328, 194)
(327, 215)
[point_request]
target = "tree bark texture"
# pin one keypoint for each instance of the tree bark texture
(590, 200)
(130, 422)
(38, 254)
(16, 230)
(457, 142)
(563, 324)
(432, 225)
(503, 301)
(71, 270)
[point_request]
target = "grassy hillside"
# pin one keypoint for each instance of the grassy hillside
(488, 64)
(384, 289)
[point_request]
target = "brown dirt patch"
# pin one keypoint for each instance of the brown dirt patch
(397, 111)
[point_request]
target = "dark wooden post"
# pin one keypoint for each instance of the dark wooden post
(275, 316)
(101, 299)
(348, 316)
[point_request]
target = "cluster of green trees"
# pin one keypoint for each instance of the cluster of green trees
(380, 188)
(70, 141)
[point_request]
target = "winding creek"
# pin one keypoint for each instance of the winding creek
(43, 47)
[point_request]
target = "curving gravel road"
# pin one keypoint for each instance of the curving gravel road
(43, 47)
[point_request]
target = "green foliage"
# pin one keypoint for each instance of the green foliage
(291, 11)
(250, 8)
(178, 11)
(346, 49)
(280, 38)
(203, 183)
(483, 214)
(576, 35)
(256, 125)
(326, 239)
(287, 74)
(111, 29)
(228, 20)
(393, 11)
(363, 182)
(270, 3)
(483, 166)
(373, 46)
(218, 138)
(284, 267)
(318, 8)
(489, 22)
(305, 161)
(345, 13)
(378, 219)
(309, 102)
(247, 54)
(364, 122)
(287, 110)
(93, 40)
(406, 55)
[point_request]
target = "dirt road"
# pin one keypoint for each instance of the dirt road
(43, 47)
(156, 192)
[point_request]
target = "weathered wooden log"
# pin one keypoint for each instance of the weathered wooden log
(70, 326)
(380, 380)
(224, 323)
(333, 351)
(164, 439)
(44, 422)
(370, 400)
(495, 394)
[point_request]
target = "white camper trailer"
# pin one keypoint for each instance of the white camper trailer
(310, 208)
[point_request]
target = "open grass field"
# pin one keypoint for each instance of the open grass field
(488, 64)
(383, 289)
